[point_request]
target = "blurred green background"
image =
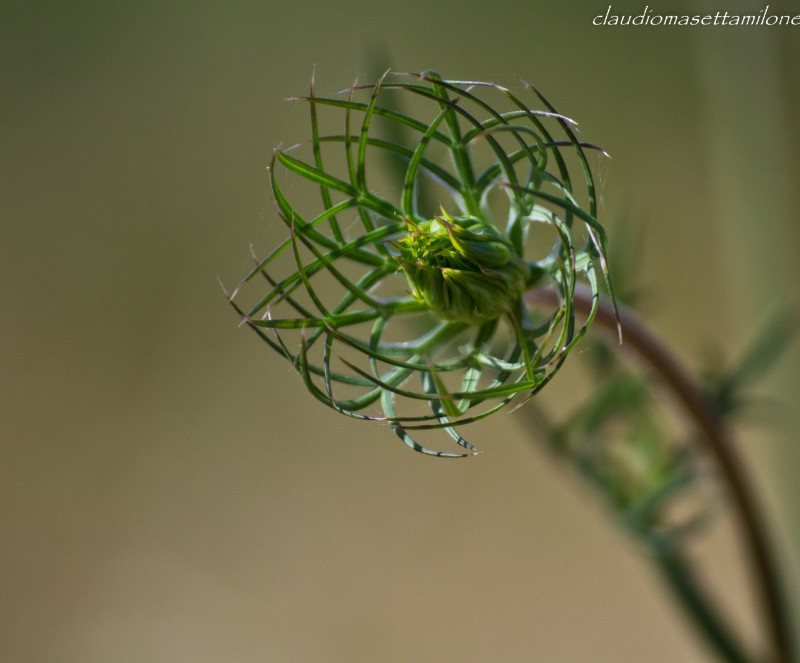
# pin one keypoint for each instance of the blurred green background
(168, 490)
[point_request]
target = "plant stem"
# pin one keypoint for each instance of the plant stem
(682, 581)
(655, 354)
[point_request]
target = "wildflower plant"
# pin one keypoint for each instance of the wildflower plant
(403, 294)
(442, 257)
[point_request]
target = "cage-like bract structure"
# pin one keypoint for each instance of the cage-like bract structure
(382, 161)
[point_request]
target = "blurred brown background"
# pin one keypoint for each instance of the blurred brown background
(168, 490)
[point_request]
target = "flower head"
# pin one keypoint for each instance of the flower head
(462, 269)
(403, 291)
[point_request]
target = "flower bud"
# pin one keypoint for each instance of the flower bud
(463, 269)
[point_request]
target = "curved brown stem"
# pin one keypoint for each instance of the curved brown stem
(655, 354)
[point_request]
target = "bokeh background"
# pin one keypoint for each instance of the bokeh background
(169, 492)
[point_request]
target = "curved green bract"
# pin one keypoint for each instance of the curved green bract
(402, 289)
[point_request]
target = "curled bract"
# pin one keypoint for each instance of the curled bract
(415, 224)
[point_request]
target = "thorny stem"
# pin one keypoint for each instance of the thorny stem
(654, 353)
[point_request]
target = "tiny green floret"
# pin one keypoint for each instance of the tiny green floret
(462, 268)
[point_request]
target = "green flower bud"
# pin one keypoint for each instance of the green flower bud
(463, 269)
